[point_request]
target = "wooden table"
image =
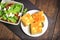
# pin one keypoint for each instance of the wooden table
(52, 10)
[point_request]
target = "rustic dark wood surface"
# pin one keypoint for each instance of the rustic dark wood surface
(52, 10)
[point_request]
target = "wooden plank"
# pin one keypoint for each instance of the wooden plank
(33, 1)
(56, 35)
(42, 4)
(6, 34)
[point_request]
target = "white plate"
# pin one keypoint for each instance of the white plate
(26, 29)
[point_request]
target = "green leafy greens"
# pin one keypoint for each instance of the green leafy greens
(13, 9)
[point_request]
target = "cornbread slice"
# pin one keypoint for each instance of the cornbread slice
(36, 28)
(38, 16)
(27, 19)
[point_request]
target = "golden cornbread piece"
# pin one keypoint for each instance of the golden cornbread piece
(36, 28)
(27, 19)
(38, 16)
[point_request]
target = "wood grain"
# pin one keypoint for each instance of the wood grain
(6, 34)
(56, 35)
(33, 1)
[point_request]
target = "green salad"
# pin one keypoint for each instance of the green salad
(10, 12)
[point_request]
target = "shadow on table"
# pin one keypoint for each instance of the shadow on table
(58, 4)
